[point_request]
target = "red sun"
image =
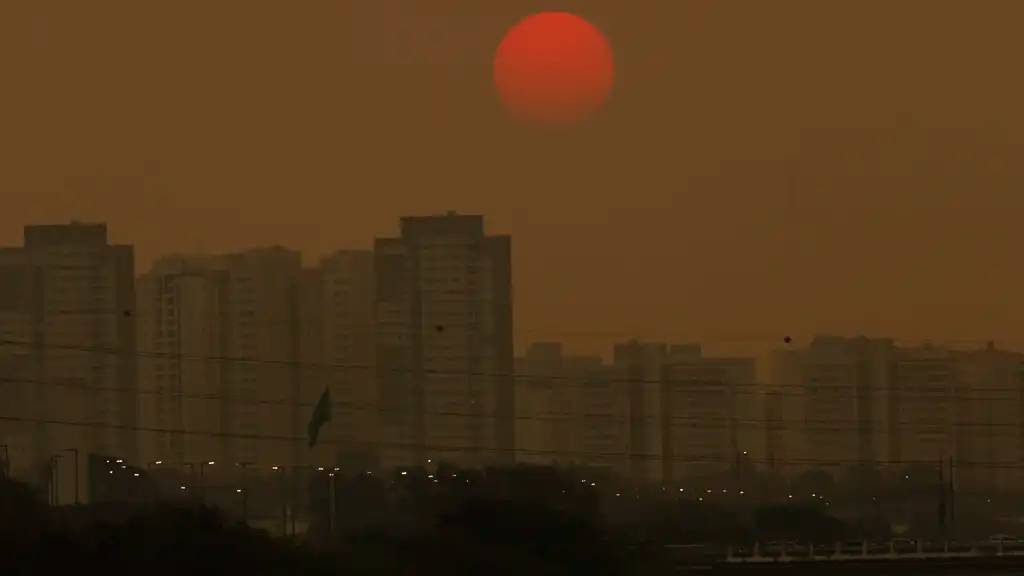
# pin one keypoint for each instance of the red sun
(554, 67)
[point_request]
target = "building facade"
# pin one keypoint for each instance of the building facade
(444, 342)
(71, 313)
(183, 332)
(709, 416)
(222, 362)
(846, 389)
(337, 349)
(571, 411)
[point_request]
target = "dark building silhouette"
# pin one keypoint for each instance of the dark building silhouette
(69, 307)
(710, 410)
(444, 341)
(182, 307)
(570, 411)
(640, 364)
(846, 397)
(336, 304)
(244, 306)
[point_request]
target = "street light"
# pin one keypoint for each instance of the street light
(202, 468)
(55, 479)
(202, 475)
(285, 497)
(245, 511)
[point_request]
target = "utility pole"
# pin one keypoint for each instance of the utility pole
(282, 494)
(55, 480)
(332, 500)
(952, 496)
(739, 474)
(5, 466)
(244, 491)
(942, 499)
(49, 482)
(245, 505)
(75, 452)
(202, 477)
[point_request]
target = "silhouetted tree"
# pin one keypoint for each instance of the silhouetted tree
(801, 523)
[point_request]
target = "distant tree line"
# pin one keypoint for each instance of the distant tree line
(521, 520)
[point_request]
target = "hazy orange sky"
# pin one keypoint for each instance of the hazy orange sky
(764, 168)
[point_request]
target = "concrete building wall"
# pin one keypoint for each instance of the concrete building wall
(76, 308)
(711, 416)
(181, 310)
(444, 345)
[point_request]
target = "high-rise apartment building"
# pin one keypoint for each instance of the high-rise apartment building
(182, 338)
(600, 424)
(924, 401)
(710, 409)
(839, 389)
(226, 327)
(990, 415)
(16, 389)
(262, 380)
(444, 342)
(783, 414)
(337, 351)
(571, 411)
(543, 405)
(72, 305)
(843, 402)
(639, 365)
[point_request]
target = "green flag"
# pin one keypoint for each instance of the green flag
(321, 415)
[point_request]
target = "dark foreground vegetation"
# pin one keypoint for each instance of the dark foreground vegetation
(518, 521)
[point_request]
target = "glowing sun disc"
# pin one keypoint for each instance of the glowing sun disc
(554, 67)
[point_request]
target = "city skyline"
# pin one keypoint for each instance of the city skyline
(738, 184)
(600, 339)
(602, 287)
(420, 329)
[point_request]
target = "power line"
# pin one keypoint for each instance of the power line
(592, 379)
(524, 451)
(727, 421)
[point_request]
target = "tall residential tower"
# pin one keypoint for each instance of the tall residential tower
(444, 342)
